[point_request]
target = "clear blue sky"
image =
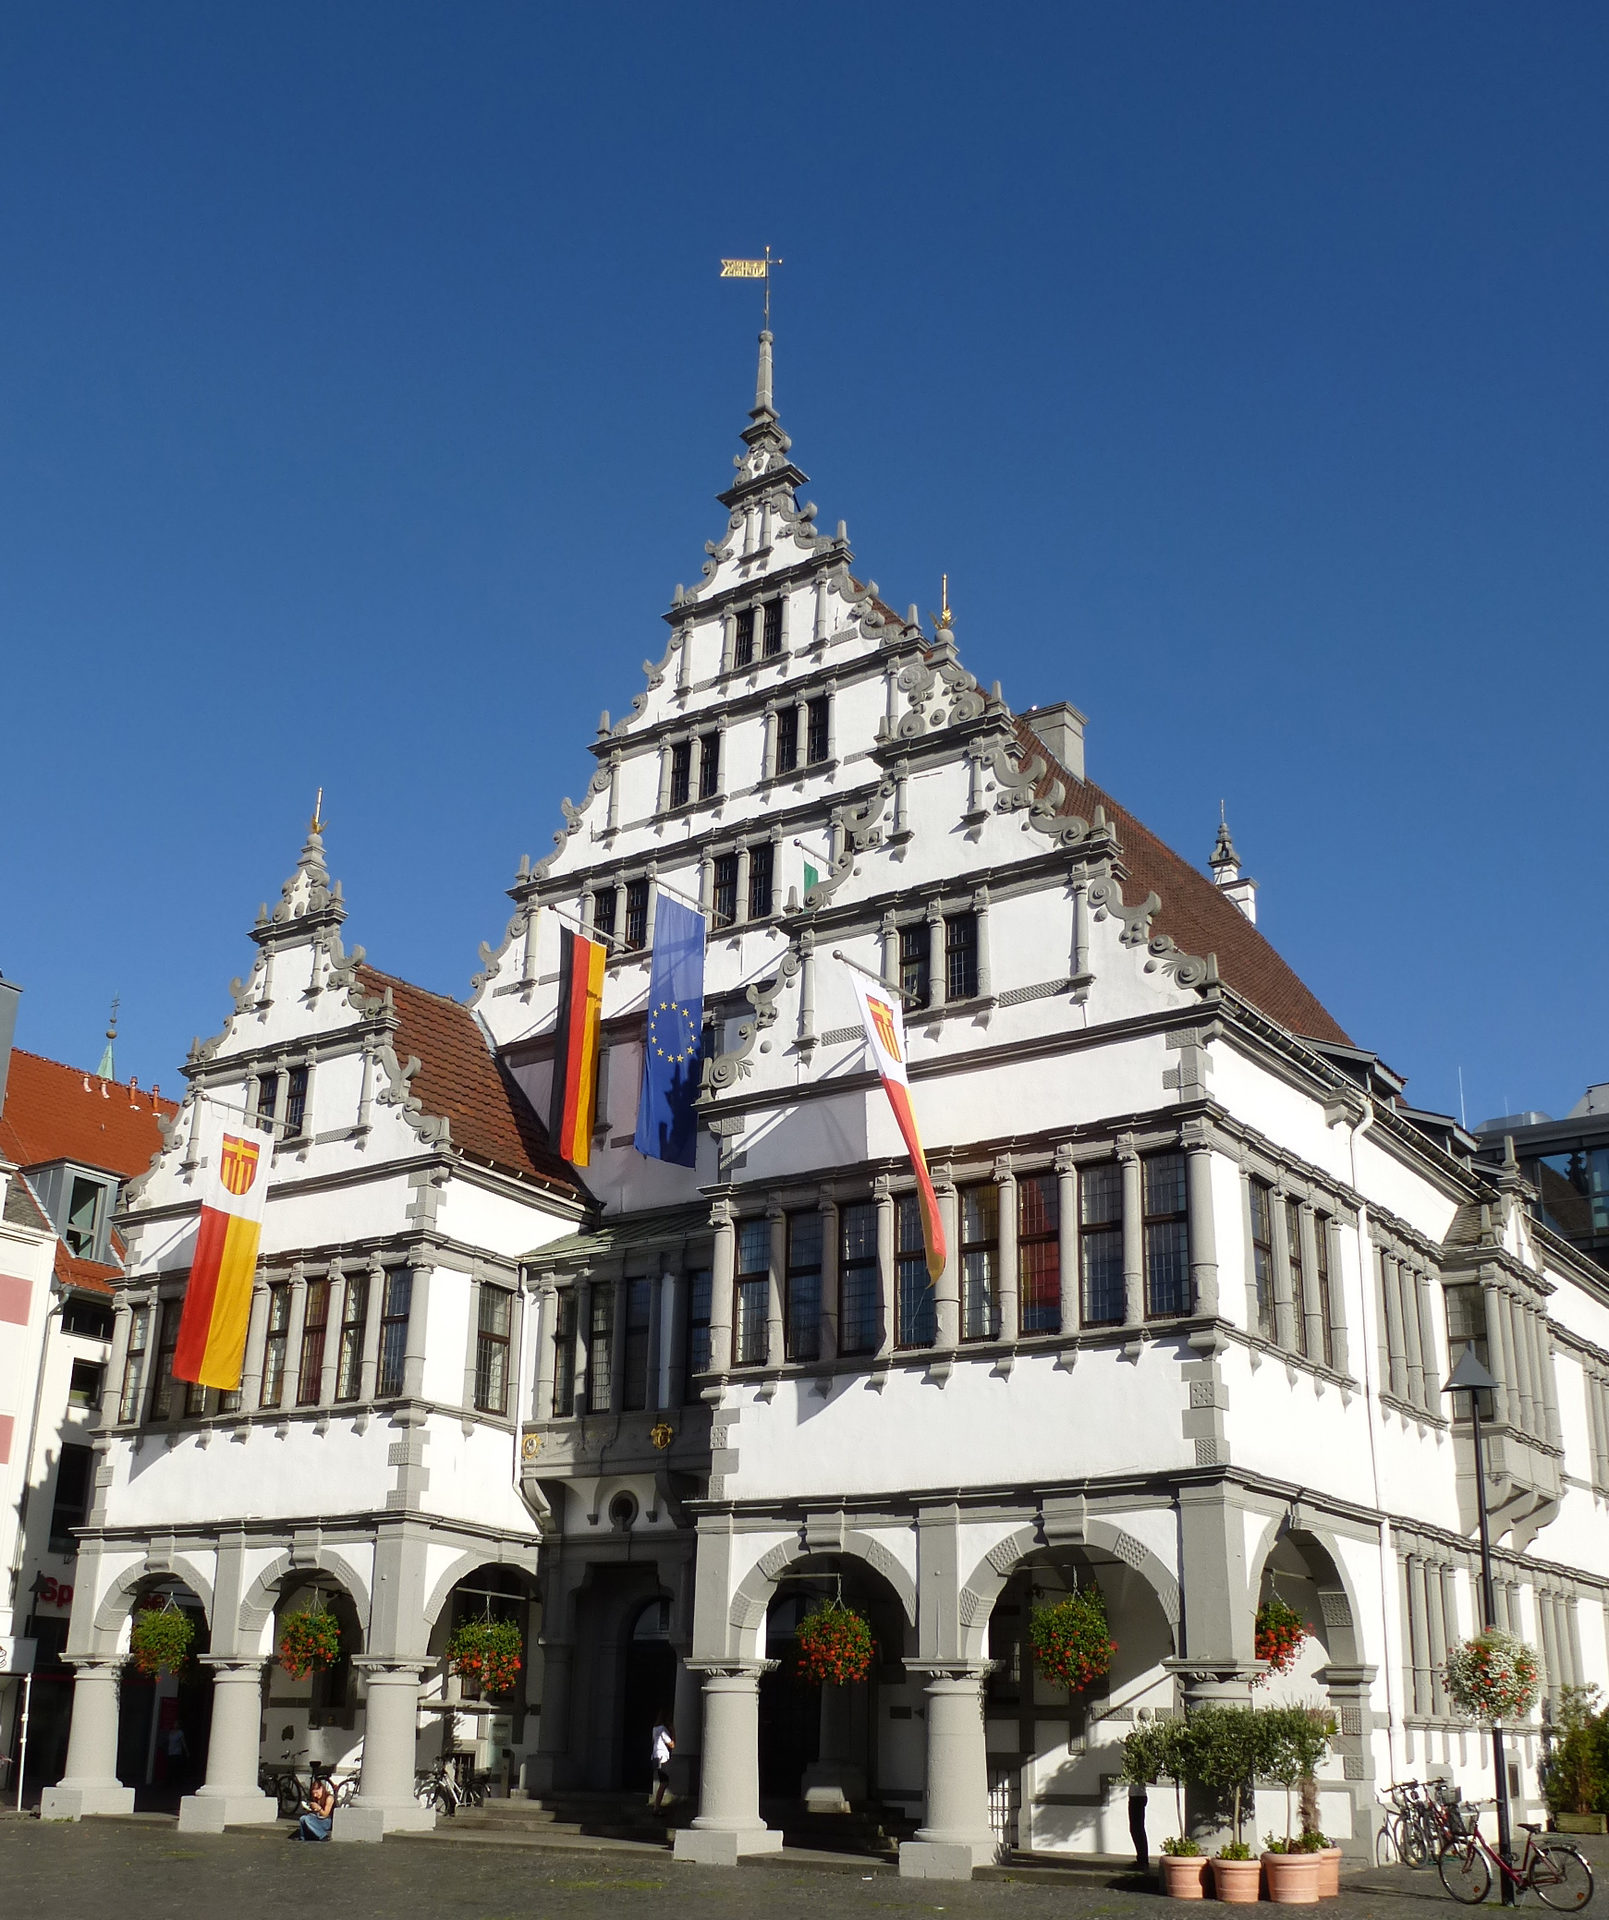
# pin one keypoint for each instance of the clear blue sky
(367, 380)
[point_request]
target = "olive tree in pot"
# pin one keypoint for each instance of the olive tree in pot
(1224, 1749)
(1156, 1751)
(1293, 1741)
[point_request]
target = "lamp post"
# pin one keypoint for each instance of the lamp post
(1470, 1377)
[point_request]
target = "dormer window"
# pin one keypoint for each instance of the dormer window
(85, 1213)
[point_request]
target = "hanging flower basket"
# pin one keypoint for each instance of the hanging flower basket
(1493, 1677)
(1280, 1633)
(308, 1643)
(1072, 1643)
(835, 1646)
(161, 1639)
(488, 1652)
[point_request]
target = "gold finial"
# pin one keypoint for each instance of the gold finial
(944, 619)
(316, 824)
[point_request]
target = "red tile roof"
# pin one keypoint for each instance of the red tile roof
(85, 1276)
(1195, 912)
(55, 1112)
(460, 1078)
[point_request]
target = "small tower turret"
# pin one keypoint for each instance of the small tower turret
(1225, 865)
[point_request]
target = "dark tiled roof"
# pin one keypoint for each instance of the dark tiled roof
(55, 1112)
(22, 1209)
(461, 1080)
(623, 1233)
(1197, 915)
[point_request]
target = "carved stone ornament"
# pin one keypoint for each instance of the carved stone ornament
(726, 1069)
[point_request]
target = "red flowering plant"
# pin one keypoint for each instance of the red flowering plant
(1071, 1641)
(309, 1642)
(1279, 1634)
(488, 1653)
(835, 1645)
(160, 1640)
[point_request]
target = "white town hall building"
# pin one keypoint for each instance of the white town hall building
(1205, 1266)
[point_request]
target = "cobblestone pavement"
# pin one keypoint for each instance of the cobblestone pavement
(112, 1870)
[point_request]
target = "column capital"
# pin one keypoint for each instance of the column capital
(746, 1671)
(958, 1672)
(376, 1667)
(225, 1665)
(97, 1666)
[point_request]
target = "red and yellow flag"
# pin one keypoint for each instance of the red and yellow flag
(885, 1041)
(575, 1047)
(217, 1301)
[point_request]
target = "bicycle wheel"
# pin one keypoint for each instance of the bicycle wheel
(288, 1792)
(427, 1791)
(1464, 1873)
(347, 1791)
(1414, 1844)
(1560, 1878)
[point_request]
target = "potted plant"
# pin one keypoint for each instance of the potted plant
(1184, 1868)
(1574, 1777)
(1225, 1753)
(1294, 1740)
(1493, 1677)
(835, 1645)
(160, 1639)
(1280, 1631)
(1291, 1871)
(1237, 1876)
(1071, 1640)
(488, 1653)
(1328, 1855)
(309, 1642)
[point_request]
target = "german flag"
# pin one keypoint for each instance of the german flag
(575, 1048)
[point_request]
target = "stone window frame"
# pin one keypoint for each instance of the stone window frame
(1319, 1208)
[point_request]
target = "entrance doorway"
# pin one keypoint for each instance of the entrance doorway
(790, 1710)
(649, 1692)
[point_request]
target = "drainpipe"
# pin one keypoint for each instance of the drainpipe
(19, 1552)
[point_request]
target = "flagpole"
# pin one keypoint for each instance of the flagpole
(913, 999)
(686, 899)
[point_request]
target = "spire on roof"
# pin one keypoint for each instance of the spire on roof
(106, 1069)
(765, 469)
(309, 892)
(1225, 864)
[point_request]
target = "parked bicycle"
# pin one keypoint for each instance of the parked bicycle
(290, 1789)
(441, 1789)
(1552, 1869)
(1415, 1825)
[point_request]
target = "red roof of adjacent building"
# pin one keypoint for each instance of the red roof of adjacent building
(55, 1112)
(460, 1079)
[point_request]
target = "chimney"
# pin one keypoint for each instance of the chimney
(1062, 730)
(10, 993)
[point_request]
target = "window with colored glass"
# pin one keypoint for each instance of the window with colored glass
(1100, 1243)
(917, 1307)
(1039, 1253)
(601, 1348)
(315, 1324)
(979, 1212)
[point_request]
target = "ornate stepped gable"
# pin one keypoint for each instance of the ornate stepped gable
(796, 718)
(428, 1059)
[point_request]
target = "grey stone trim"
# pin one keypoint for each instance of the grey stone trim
(1021, 996)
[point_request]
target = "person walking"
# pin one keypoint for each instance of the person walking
(664, 1745)
(1142, 1849)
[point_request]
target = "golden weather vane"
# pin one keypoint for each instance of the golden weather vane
(754, 270)
(316, 824)
(944, 619)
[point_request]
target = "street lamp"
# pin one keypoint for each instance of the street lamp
(1470, 1377)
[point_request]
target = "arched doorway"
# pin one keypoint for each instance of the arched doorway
(1053, 1755)
(648, 1690)
(165, 1720)
(478, 1730)
(313, 1717)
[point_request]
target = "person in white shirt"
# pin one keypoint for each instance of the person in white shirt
(664, 1745)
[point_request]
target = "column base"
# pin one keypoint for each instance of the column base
(209, 1812)
(73, 1799)
(724, 1846)
(361, 1824)
(943, 1859)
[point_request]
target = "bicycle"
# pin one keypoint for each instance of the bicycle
(1557, 1874)
(293, 1794)
(440, 1789)
(1413, 1830)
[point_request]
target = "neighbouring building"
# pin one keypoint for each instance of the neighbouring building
(1207, 1269)
(1566, 1163)
(69, 1142)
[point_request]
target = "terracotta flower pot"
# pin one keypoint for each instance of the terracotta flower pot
(1184, 1876)
(1239, 1883)
(1292, 1878)
(1329, 1871)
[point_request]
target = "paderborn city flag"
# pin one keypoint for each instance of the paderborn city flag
(217, 1301)
(885, 1041)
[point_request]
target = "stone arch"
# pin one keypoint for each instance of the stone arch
(257, 1605)
(988, 1579)
(521, 1560)
(117, 1603)
(1338, 1605)
(750, 1603)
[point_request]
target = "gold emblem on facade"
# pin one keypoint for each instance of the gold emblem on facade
(530, 1446)
(661, 1433)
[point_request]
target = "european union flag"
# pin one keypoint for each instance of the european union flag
(673, 1058)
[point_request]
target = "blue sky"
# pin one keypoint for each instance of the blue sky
(367, 380)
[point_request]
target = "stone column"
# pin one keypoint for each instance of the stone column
(723, 1263)
(545, 1770)
(687, 1719)
(251, 1375)
(834, 1782)
(1067, 1238)
(728, 1825)
(1133, 1235)
(334, 1315)
(373, 1306)
(1396, 1367)
(1286, 1304)
(547, 1307)
(1203, 1237)
(293, 1340)
(117, 1363)
(956, 1835)
(90, 1784)
(385, 1801)
(947, 1293)
(413, 1362)
(1312, 1311)
(1408, 1279)
(231, 1796)
(1007, 1289)
(829, 1277)
(776, 1349)
(886, 1286)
